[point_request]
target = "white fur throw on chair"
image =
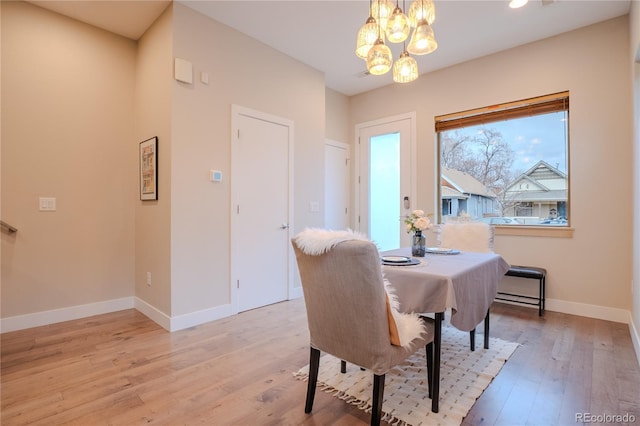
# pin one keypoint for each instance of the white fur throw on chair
(315, 241)
(467, 236)
(403, 328)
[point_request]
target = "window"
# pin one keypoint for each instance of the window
(507, 162)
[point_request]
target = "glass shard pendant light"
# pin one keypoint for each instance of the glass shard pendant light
(405, 69)
(422, 40)
(421, 9)
(379, 58)
(388, 21)
(398, 28)
(381, 10)
(367, 37)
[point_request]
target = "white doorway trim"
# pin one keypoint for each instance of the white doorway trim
(411, 116)
(235, 258)
(347, 150)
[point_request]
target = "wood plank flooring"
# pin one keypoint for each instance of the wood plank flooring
(123, 369)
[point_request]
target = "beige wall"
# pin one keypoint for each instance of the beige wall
(76, 101)
(67, 102)
(338, 117)
(634, 54)
(592, 63)
(245, 72)
(153, 117)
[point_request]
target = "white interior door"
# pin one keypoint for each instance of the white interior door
(261, 208)
(386, 176)
(336, 185)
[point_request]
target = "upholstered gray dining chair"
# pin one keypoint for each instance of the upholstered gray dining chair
(350, 312)
(474, 237)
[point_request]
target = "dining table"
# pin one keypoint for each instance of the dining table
(464, 282)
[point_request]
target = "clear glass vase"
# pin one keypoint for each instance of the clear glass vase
(418, 244)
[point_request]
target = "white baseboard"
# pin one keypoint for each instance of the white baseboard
(180, 322)
(157, 316)
(579, 309)
(589, 311)
(296, 293)
(36, 319)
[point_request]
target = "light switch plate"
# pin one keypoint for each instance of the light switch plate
(47, 204)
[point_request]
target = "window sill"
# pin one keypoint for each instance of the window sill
(534, 231)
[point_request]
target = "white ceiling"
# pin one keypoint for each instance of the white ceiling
(127, 18)
(322, 33)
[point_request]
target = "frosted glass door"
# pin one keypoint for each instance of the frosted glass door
(384, 182)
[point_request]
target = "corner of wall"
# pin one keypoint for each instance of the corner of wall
(634, 323)
(153, 117)
(635, 338)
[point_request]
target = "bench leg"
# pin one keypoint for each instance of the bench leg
(540, 299)
(543, 286)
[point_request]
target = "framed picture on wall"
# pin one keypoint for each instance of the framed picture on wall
(149, 169)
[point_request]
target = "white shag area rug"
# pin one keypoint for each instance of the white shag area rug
(464, 375)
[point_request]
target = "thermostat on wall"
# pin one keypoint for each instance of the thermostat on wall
(215, 176)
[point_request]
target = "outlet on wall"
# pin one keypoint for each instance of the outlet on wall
(149, 279)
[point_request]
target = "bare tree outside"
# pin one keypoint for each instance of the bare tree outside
(485, 156)
(517, 155)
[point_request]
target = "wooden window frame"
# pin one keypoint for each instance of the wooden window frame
(555, 102)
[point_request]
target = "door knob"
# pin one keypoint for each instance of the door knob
(284, 226)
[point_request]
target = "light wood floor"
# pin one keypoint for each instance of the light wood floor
(123, 369)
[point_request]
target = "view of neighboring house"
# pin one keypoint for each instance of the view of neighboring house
(462, 192)
(540, 192)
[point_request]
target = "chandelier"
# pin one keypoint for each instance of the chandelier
(387, 21)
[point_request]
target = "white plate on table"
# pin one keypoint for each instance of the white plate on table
(396, 259)
(399, 261)
(442, 250)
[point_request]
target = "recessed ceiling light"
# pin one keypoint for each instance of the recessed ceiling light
(514, 4)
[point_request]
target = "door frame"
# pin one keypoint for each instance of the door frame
(413, 161)
(347, 148)
(235, 257)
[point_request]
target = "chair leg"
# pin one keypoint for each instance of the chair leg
(314, 364)
(437, 348)
(343, 366)
(378, 394)
(486, 330)
(472, 339)
(429, 350)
